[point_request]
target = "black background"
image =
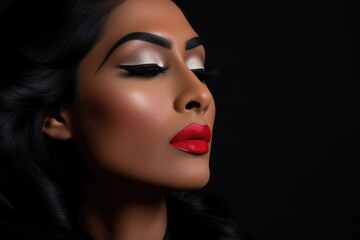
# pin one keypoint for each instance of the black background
(285, 153)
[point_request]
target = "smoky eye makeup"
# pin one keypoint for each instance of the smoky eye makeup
(143, 63)
(205, 75)
(142, 56)
(147, 63)
(195, 62)
(144, 70)
(196, 65)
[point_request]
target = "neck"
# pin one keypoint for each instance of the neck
(123, 211)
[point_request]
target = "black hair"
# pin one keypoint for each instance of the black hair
(41, 178)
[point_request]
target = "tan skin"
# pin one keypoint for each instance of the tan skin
(124, 123)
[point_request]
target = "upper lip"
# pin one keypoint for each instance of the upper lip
(193, 131)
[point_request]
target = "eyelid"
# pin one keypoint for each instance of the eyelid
(143, 70)
(195, 62)
(141, 55)
(141, 64)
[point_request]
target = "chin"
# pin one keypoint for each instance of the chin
(192, 180)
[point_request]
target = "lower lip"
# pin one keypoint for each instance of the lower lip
(195, 146)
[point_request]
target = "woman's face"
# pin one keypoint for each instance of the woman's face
(138, 91)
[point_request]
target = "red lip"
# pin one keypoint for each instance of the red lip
(194, 139)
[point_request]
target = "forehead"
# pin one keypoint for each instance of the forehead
(162, 17)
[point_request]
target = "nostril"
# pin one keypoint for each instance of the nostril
(192, 104)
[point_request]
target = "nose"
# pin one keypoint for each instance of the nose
(193, 95)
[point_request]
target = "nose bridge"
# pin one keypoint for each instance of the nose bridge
(193, 95)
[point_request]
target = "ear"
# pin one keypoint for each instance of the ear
(58, 125)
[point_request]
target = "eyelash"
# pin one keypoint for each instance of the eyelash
(143, 70)
(204, 75)
(152, 70)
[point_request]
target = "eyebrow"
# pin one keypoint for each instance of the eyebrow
(193, 43)
(151, 38)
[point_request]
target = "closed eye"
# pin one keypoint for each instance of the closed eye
(204, 75)
(143, 70)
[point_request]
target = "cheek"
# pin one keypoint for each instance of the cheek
(122, 127)
(125, 111)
